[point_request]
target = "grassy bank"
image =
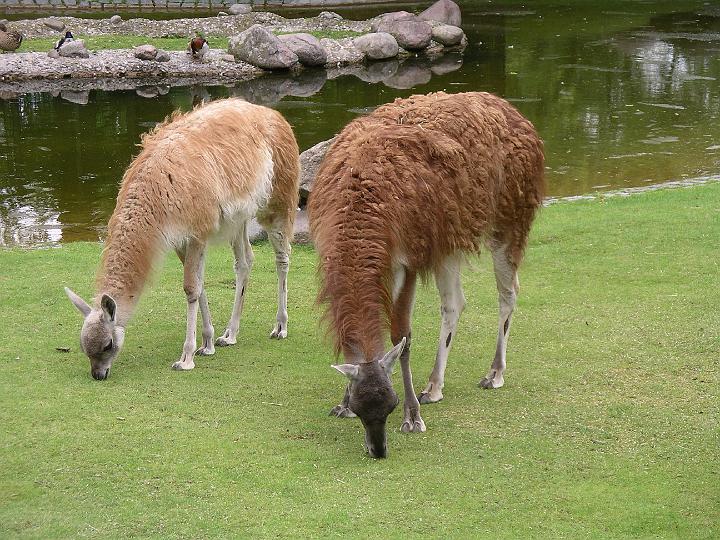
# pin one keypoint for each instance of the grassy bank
(606, 427)
(112, 42)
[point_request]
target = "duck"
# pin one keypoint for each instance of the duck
(66, 39)
(197, 47)
(10, 40)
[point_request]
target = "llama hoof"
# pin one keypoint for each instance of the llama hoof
(278, 333)
(224, 341)
(492, 380)
(183, 366)
(341, 411)
(429, 397)
(205, 351)
(413, 426)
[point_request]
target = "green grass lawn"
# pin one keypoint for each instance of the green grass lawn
(607, 426)
(96, 43)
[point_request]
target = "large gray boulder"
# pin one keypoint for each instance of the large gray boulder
(74, 49)
(145, 52)
(381, 21)
(260, 47)
(447, 35)
(55, 24)
(377, 46)
(240, 9)
(342, 51)
(310, 161)
(115, 20)
(412, 35)
(307, 48)
(444, 11)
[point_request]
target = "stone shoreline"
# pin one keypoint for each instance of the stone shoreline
(35, 71)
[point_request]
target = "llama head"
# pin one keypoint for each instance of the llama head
(100, 338)
(372, 397)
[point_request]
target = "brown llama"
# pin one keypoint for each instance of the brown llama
(413, 188)
(200, 176)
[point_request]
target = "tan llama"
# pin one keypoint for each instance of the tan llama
(200, 176)
(411, 189)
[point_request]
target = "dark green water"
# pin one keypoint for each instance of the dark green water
(624, 93)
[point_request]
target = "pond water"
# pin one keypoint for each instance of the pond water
(624, 93)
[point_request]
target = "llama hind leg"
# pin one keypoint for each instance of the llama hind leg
(194, 265)
(243, 264)
(208, 331)
(508, 285)
(280, 241)
(452, 303)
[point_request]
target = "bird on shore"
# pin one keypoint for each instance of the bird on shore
(10, 40)
(66, 39)
(197, 47)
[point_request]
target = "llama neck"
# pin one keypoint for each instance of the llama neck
(130, 250)
(359, 308)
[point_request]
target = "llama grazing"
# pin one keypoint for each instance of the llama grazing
(199, 176)
(413, 188)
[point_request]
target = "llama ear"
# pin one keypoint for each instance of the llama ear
(388, 361)
(349, 370)
(78, 302)
(108, 306)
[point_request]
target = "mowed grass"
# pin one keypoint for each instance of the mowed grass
(97, 43)
(607, 426)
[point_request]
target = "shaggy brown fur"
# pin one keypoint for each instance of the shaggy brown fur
(418, 180)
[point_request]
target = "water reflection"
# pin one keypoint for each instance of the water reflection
(623, 95)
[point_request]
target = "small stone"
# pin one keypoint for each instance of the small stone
(145, 52)
(148, 92)
(55, 24)
(331, 15)
(74, 49)
(227, 58)
(222, 14)
(240, 9)
(116, 19)
(447, 35)
(162, 56)
(78, 97)
(3, 24)
(377, 46)
(53, 54)
(307, 48)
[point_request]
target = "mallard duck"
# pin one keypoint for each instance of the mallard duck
(197, 47)
(62, 41)
(10, 40)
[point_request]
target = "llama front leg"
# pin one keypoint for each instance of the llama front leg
(208, 331)
(399, 328)
(452, 303)
(508, 286)
(194, 264)
(243, 264)
(281, 244)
